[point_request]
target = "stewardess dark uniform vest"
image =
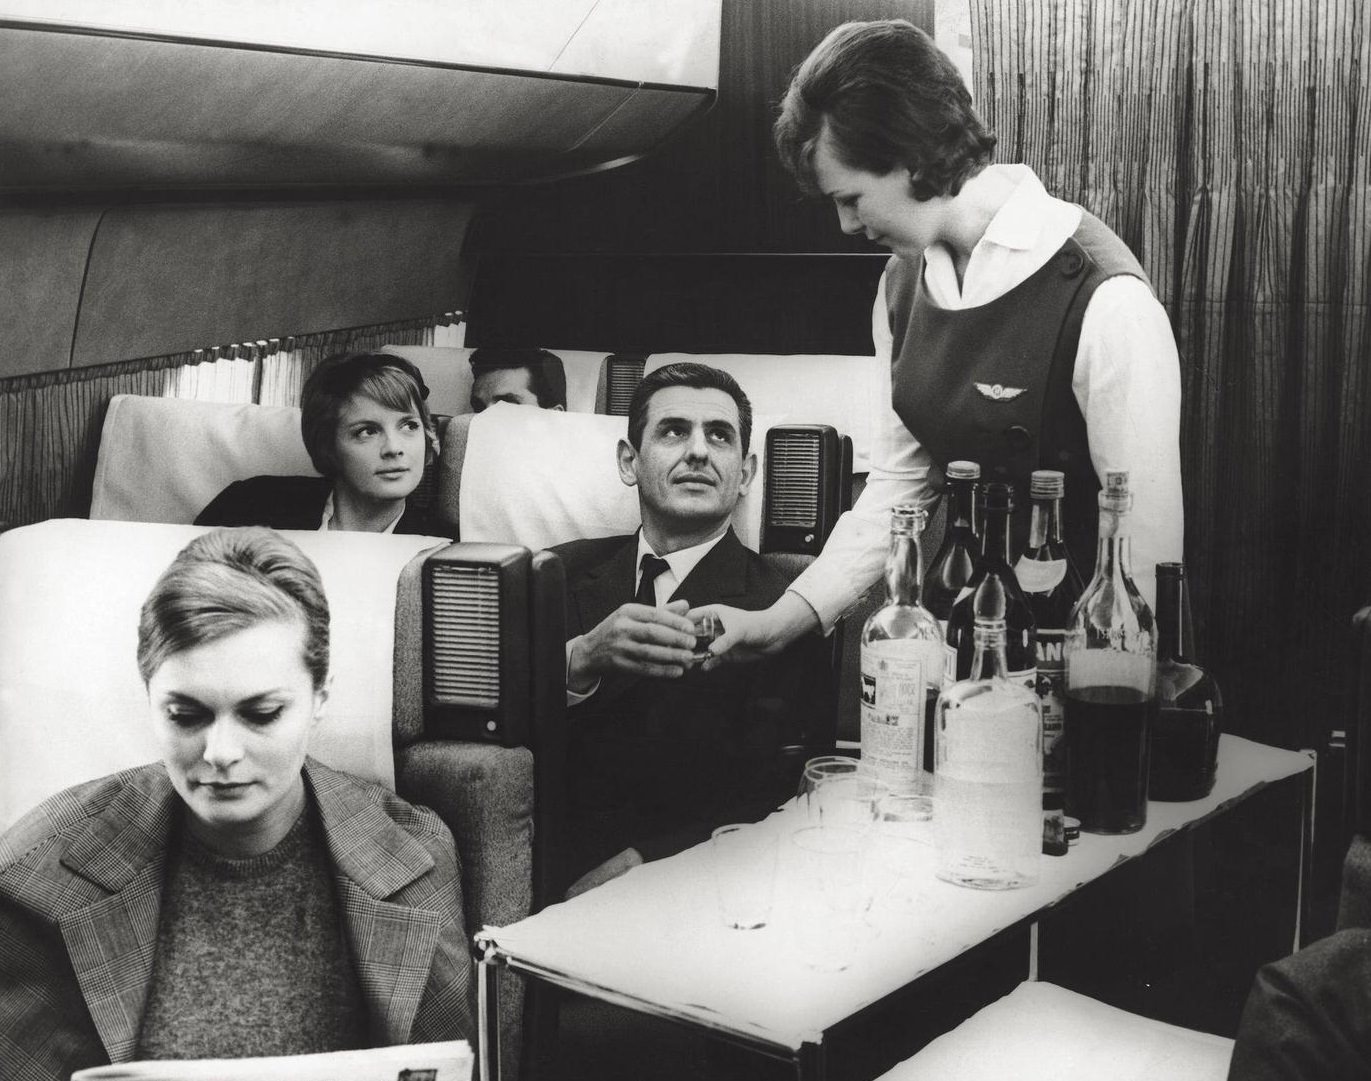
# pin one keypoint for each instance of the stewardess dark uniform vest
(992, 384)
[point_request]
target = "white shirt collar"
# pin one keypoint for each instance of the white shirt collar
(1027, 230)
(679, 564)
(326, 519)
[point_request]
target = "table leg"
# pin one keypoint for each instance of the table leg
(488, 1013)
(1308, 795)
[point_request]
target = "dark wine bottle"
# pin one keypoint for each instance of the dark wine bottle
(1185, 735)
(1111, 681)
(956, 556)
(1052, 584)
(993, 592)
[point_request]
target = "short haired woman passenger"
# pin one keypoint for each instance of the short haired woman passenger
(237, 898)
(368, 431)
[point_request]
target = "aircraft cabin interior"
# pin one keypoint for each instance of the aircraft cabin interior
(637, 675)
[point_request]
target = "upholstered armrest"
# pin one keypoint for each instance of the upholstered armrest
(485, 795)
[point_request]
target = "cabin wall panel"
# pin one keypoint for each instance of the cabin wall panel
(166, 279)
(42, 261)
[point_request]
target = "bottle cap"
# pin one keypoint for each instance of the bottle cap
(1115, 495)
(996, 496)
(1047, 484)
(1072, 828)
(1170, 570)
(963, 471)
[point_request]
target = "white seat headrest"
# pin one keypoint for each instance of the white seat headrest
(447, 371)
(538, 478)
(72, 705)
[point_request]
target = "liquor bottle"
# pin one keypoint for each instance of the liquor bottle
(901, 662)
(987, 818)
(992, 593)
(1052, 585)
(1111, 681)
(956, 557)
(1185, 735)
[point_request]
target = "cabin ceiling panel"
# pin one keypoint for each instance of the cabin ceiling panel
(165, 114)
(167, 279)
(42, 260)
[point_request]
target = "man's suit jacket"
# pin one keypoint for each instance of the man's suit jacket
(655, 764)
(292, 503)
(80, 895)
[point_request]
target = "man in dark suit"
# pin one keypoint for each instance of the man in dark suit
(661, 752)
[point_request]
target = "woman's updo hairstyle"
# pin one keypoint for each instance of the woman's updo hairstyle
(227, 581)
(889, 99)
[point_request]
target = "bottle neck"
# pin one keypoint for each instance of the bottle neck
(963, 506)
(1175, 631)
(1046, 523)
(995, 538)
(1113, 555)
(989, 660)
(904, 568)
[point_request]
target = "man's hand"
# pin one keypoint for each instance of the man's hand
(634, 639)
(750, 636)
(611, 868)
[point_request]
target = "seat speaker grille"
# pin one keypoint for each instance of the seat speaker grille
(465, 635)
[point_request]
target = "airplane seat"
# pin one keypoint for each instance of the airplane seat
(73, 707)
(1354, 897)
(447, 371)
(537, 479)
(164, 459)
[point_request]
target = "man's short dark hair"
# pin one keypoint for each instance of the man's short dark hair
(889, 98)
(385, 378)
(546, 376)
(686, 373)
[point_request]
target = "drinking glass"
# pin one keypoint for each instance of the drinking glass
(829, 765)
(826, 895)
(849, 799)
(744, 860)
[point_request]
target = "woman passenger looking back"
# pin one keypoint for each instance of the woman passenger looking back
(367, 429)
(237, 898)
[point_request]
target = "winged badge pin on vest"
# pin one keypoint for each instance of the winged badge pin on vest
(998, 392)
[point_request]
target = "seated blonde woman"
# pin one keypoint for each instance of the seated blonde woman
(236, 898)
(368, 430)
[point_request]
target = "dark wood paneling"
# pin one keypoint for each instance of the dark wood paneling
(42, 260)
(712, 303)
(171, 278)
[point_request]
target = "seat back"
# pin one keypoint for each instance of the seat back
(73, 707)
(447, 371)
(164, 459)
(847, 393)
(1354, 900)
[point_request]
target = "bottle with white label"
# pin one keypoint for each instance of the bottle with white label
(987, 817)
(1050, 581)
(902, 647)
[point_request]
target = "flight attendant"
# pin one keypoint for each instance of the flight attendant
(1021, 332)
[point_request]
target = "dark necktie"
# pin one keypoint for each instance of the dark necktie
(652, 566)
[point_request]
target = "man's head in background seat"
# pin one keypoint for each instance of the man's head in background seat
(687, 453)
(518, 376)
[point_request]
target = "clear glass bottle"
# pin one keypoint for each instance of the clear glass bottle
(956, 556)
(992, 593)
(1185, 736)
(1052, 584)
(987, 817)
(901, 662)
(1111, 681)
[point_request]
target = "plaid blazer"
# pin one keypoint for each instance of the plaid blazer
(80, 894)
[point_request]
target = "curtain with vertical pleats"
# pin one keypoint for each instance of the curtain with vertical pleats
(1227, 143)
(50, 422)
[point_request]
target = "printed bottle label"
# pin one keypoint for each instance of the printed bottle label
(1039, 576)
(1049, 646)
(892, 713)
